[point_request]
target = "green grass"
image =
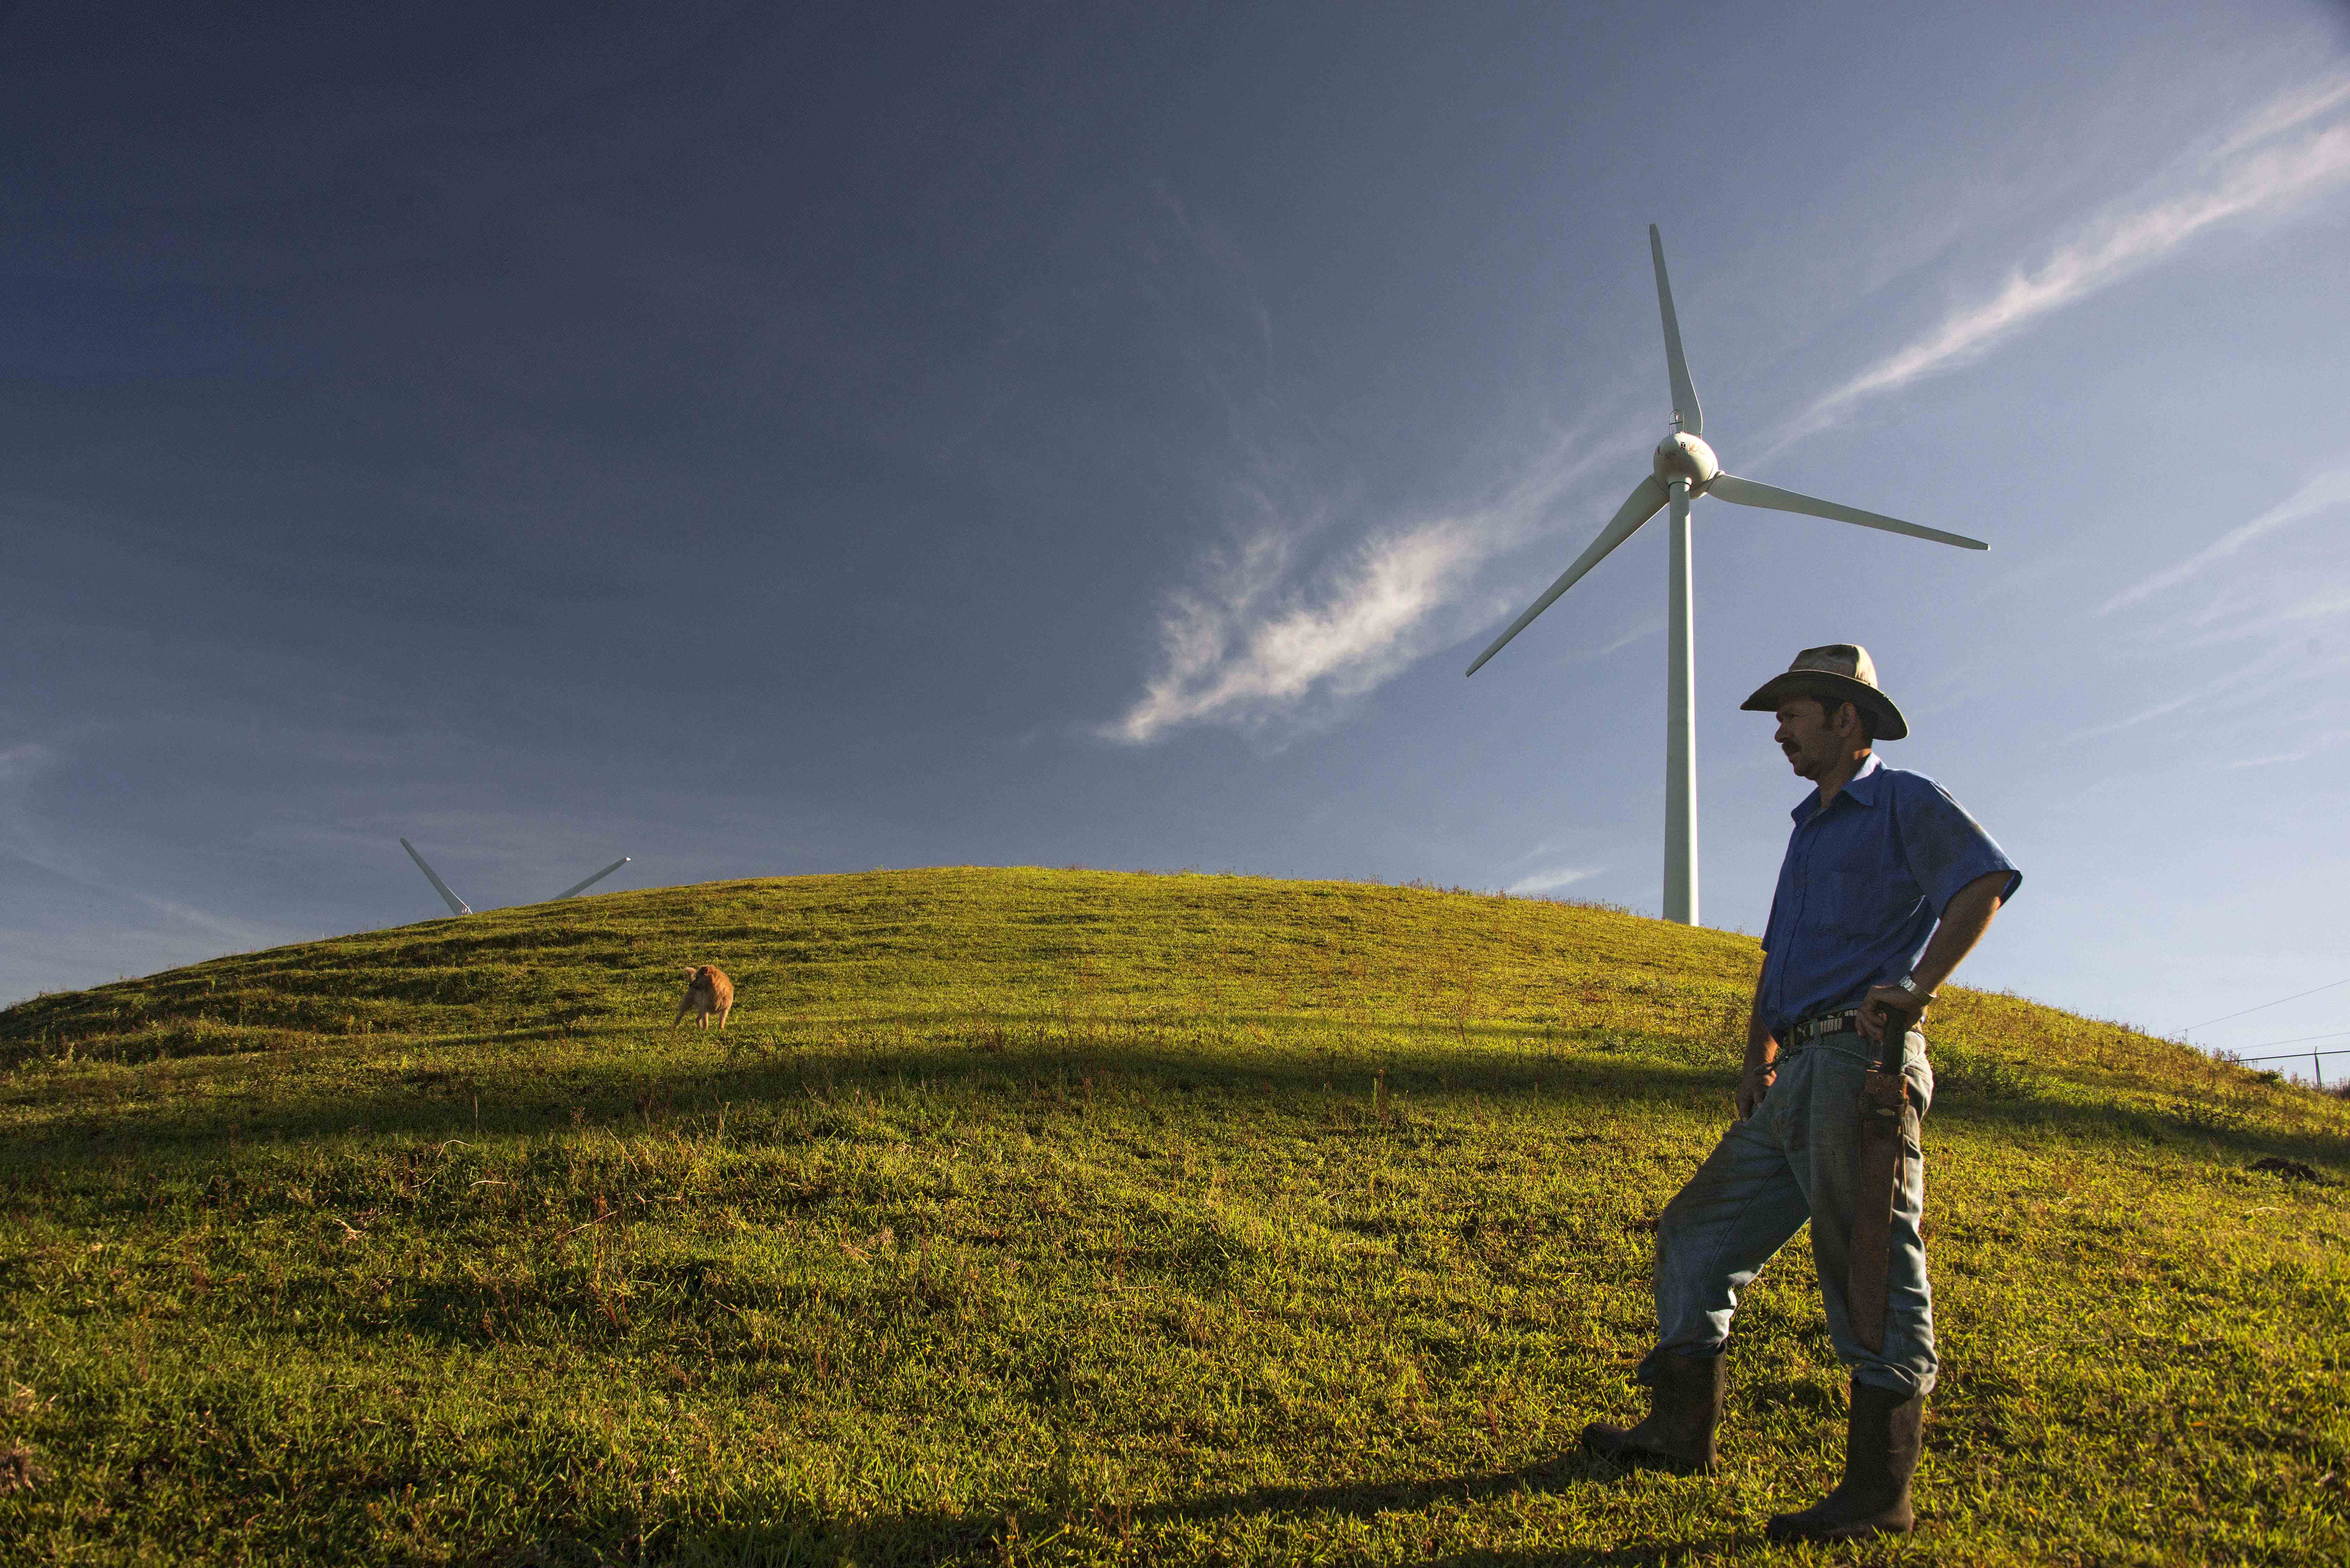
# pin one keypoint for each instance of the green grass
(1069, 1217)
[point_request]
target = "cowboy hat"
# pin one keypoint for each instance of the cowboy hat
(1836, 673)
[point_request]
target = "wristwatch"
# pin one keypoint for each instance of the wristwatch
(1909, 982)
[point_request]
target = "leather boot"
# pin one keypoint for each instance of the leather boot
(1684, 1407)
(1880, 1454)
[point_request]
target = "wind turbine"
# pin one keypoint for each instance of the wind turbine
(459, 907)
(1683, 469)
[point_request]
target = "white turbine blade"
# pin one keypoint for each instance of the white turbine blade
(456, 905)
(1746, 493)
(1685, 406)
(1646, 502)
(579, 888)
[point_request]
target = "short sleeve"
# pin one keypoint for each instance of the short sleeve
(1945, 848)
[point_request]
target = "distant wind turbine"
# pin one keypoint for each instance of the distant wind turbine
(459, 907)
(1684, 469)
(456, 905)
(579, 888)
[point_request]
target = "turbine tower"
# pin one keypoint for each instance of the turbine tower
(1683, 469)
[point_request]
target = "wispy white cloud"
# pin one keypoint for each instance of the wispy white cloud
(1552, 880)
(2323, 494)
(1262, 639)
(24, 760)
(2269, 689)
(2292, 107)
(1245, 649)
(2228, 622)
(1641, 632)
(2145, 716)
(2274, 159)
(2251, 587)
(242, 934)
(23, 836)
(2315, 745)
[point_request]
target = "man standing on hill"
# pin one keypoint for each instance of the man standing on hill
(1879, 859)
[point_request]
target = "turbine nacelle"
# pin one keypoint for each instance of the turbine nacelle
(1682, 455)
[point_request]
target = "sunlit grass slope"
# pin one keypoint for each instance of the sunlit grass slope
(1071, 1217)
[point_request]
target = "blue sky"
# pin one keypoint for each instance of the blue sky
(765, 444)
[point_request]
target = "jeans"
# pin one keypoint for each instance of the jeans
(1794, 1161)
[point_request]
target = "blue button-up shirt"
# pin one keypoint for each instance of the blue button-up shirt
(1861, 887)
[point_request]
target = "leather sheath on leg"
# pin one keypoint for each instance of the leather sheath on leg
(1684, 1408)
(1880, 1454)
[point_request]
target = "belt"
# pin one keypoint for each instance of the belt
(1810, 1029)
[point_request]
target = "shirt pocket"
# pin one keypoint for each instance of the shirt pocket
(1867, 905)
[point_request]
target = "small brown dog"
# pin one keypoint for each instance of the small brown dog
(706, 992)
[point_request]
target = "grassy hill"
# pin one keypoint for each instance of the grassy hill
(1072, 1217)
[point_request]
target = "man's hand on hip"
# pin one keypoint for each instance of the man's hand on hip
(1752, 1084)
(1964, 920)
(1889, 1004)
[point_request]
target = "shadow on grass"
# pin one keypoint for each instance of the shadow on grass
(2134, 1128)
(445, 1095)
(938, 1536)
(179, 1039)
(1370, 1500)
(437, 1096)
